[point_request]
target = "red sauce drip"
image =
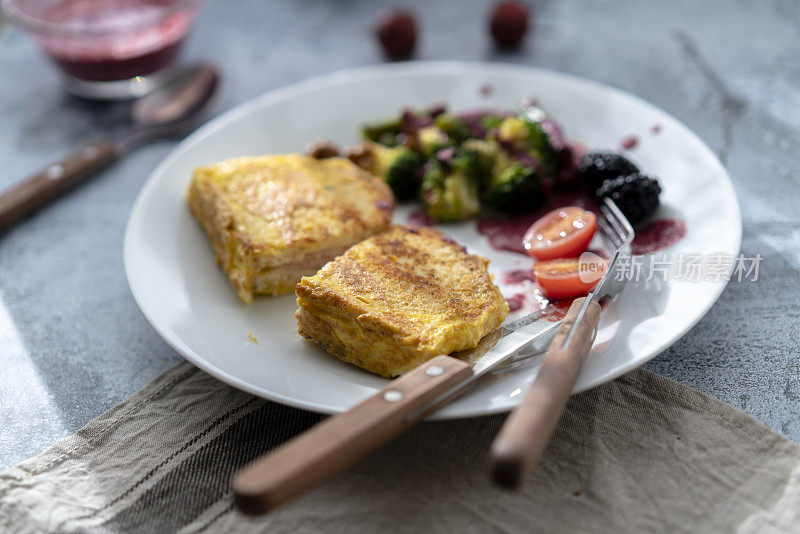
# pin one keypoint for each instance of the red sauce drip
(419, 218)
(515, 302)
(115, 54)
(658, 235)
(558, 309)
(516, 277)
(629, 142)
(656, 128)
(551, 310)
(506, 234)
(486, 90)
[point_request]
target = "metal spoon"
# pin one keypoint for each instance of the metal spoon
(168, 111)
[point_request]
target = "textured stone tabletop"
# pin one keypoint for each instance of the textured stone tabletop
(73, 343)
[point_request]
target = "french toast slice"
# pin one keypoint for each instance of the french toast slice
(273, 219)
(398, 299)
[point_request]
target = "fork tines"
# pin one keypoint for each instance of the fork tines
(615, 224)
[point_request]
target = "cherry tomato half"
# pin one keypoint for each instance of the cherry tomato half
(562, 233)
(569, 277)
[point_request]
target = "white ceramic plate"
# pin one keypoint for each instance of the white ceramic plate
(187, 299)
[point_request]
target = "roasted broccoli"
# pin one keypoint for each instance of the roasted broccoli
(525, 136)
(486, 154)
(400, 167)
(450, 189)
(446, 131)
(455, 129)
(431, 139)
(409, 121)
(513, 188)
(384, 132)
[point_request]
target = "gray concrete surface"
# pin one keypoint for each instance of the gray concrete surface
(73, 343)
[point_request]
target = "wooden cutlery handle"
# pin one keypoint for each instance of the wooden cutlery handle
(519, 446)
(38, 190)
(337, 443)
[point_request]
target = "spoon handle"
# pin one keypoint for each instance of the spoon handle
(35, 192)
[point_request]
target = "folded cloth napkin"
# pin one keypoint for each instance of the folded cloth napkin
(641, 453)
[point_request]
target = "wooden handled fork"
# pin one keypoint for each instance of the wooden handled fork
(519, 446)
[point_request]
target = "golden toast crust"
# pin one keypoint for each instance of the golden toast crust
(400, 298)
(272, 219)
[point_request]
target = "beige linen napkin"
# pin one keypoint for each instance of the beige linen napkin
(641, 454)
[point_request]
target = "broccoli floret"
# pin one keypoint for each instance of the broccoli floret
(514, 188)
(431, 139)
(446, 131)
(450, 190)
(400, 168)
(491, 121)
(455, 129)
(525, 134)
(384, 131)
(486, 153)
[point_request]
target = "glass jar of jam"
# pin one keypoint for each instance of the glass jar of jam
(108, 49)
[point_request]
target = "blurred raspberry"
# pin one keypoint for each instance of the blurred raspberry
(397, 33)
(509, 23)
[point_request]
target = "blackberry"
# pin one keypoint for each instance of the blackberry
(597, 167)
(635, 194)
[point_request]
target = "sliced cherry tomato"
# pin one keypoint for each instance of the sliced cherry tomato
(569, 277)
(562, 233)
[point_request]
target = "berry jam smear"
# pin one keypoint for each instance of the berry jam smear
(419, 218)
(630, 142)
(518, 276)
(515, 302)
(506, 233)
(658, 235)
(534, 300)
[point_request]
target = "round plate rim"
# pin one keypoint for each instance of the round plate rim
(374, 71)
